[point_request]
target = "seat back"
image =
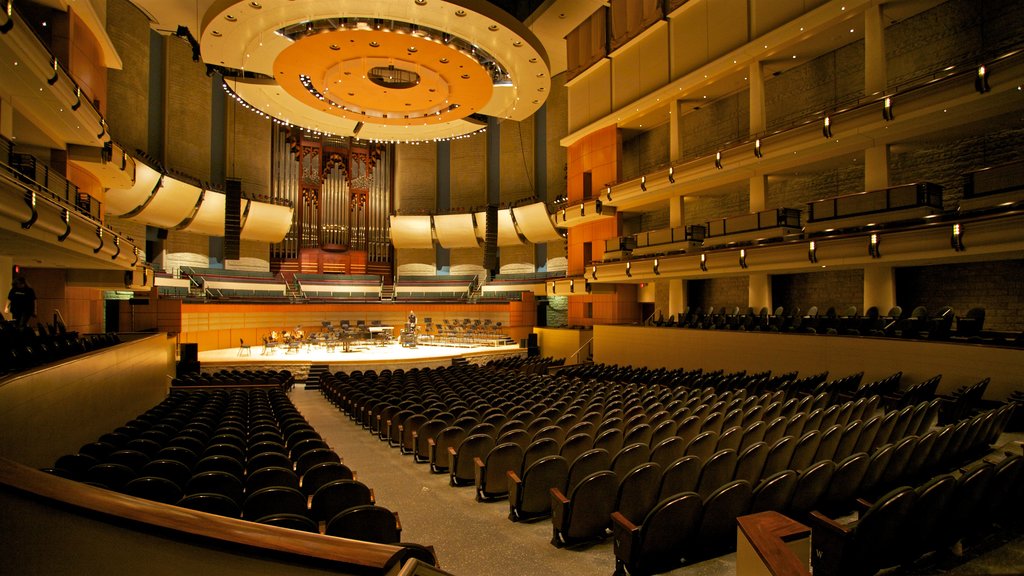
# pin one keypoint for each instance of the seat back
(716, 472)
(667, 533)
(846, 481)
(638, 491)
(806, 448)
(750, 463)
(366, 523)
(717, 533)
(680, 476)
(631, 456)
(668, 450)
(337, 496)
(774, 492)
(779, 455)
(593, 500)
(585, 464)
(810, 487)
(501, 459)
(538, 480)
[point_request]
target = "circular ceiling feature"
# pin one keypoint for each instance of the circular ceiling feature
(398, 73)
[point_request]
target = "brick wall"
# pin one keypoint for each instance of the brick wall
(184, 249)
(415, 184)
(469, 172)
(253, 256)
(829, 288)
(188, 112)
(645, 151)
(996, 286)
(128, 88)
(516, 161)
(557, 311)
(700, 209)
(729, 292)
(415, 262)
(819, 84)
(248, 148)
(706, 127)
(795, 191)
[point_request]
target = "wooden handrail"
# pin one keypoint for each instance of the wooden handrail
(768, 533)
(142, 514)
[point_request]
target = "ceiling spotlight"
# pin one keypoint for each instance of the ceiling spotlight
(826, 128)
(757, 148)
(887, 113)
(873, 247)
(703, 262)
(812, 252)
(629, 270)
(957, 239)
(643, 183)
(718, 160)
(981, 81)
(671, 175)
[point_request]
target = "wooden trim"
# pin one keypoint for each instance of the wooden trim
(148, 516)
(768, 533)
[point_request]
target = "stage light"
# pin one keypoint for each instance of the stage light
(703, 262)
(873, 249)
(812, 252)
(826, 128)
(957, 239)
(743, 258)
(757, 148)
(887, 113)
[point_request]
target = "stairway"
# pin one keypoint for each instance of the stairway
(313, 378)
(387, 292)
(293, 291)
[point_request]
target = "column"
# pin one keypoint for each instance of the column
(676, 297)
(876, 167)
(758, 193)
(675, 135)
(758, 120)
(759, 292)
(874, 50)
(879, 288)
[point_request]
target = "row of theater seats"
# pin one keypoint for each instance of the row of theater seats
(911, 521)
(240, 453)
(25, 348)
(282, 378)
(581, 450)
(896, 323)
(527, 364)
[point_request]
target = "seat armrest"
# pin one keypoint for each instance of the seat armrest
(451, 461)
(560, 509)
(625, 535)
(479, 470)
(817, 520)
(373, 497)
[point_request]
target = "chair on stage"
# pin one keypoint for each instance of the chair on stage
(243, 348)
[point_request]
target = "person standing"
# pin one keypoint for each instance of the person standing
(21, 302)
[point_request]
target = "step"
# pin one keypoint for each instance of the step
(313, 378)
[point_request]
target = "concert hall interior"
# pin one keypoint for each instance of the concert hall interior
(459, 287)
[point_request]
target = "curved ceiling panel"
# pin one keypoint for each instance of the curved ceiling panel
(535, 223)
(265, 222)
(172, 203)
(122, 201)
(507, 233)
(209, 219)
(456, 231)
(411, 232)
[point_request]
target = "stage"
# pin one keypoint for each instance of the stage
(362, 357)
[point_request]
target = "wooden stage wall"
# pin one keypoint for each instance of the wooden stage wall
(214, 326)
(959, 363)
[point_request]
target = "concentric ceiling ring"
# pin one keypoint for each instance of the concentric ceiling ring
(308, 62)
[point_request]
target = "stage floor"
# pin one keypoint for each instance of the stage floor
(390, 356)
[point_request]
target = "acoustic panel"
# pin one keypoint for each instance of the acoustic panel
(122, 201)
(411, 232)
(535, 223)
(209, 219)
(265, 222)
(172, 203)
(507, 233)
(456, 231)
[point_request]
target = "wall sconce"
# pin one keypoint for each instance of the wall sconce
(957, 239)
(78, 99)
(703, 262)
(757, 148)
(554, 288)
(629, 269)
(743, 258)
(643, 183)
(572, 286)
(66, 217)
(873, 247)
(826, 128)
(981, 81)
(812, 252)
(598, 206)
(593, 272)
(583, 210)
(103, 128)
(53, 80)
(6, 27)
(656, 271)
(608, 193)
(887, 113)
(563, 214)
(718, 160)
(671, 175)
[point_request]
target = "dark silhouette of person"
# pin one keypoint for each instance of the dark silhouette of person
(21, 302)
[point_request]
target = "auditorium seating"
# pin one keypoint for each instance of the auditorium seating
(243, 453)
(28, 347)
(795, 446)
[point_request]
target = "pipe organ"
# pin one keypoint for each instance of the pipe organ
(341, 189)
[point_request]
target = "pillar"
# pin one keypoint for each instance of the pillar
(758, 120)
(876, 167)
(874, 50)
(676, 297)
(759, 291)
(758, 193)
(675, 136)
(879, 287)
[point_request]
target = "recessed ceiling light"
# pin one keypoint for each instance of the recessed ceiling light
(256, 5)
(421, 2)
(465, 76)
(374, 44)
(230, 18)
(533, 60)
(517, 43)
(335, 47)
(410, 49)
(443, 60)
(493, 27)
(215, 33)
(460, 13)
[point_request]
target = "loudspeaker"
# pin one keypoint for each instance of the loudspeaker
(161, 233)
(232, 218)
(189, 352)
(491, 240)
